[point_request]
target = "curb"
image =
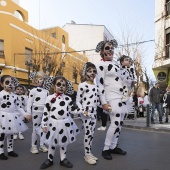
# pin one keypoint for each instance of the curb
(147, 128)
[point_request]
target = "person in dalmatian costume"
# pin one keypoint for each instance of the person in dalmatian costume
(10, 122)
(128, 75)
(111, 84)
(88, 99)
(19, 91)
(35, 107)
(57, 123)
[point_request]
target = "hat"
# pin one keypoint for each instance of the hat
(157, 82)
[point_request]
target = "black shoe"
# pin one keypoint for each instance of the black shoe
(161, 122)
(106, 154)
(65, 162)
(46, 164)
(118, 151)
(3, 157)
(13, 154)
(152, 122)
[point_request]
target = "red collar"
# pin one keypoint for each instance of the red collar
(54, 98)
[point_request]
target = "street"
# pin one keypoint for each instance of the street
(145, 151)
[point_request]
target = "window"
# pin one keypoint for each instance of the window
(2, 49)
(167, 7)
(63, 39)
(53, 34)
(28, 56)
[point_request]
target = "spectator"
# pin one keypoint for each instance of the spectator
(145, 102)
(166, 104)
(140, 106)
(155, 99)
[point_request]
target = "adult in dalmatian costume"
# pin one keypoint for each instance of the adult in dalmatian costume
(57, 123)
(110, 81)
(35, 107)
(10, 122)
(88, 99)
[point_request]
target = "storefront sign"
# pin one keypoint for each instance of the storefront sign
(161, 76)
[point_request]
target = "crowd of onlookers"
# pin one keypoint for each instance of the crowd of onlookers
(158, 101)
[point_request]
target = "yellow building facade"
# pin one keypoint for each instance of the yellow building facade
(24, 48)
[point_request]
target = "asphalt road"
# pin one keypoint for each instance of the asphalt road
(145, 151)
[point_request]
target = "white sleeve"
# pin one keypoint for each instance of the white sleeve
(100, 82)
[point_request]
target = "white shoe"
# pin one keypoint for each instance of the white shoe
(93, 157)
(101, 128)
(15, 137)
(89, 160)
(34, 150)
(21, 136)
(43, 148)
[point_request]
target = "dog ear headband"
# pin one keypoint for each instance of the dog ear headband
(102, 43)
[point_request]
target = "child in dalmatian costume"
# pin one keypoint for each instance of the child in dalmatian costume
(88, 99)
(57, 123)
(19, 91)
(35, 107)
(10, 123)
(128, 75)
(111, 85)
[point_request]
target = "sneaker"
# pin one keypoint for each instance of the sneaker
(13, 154)
(101, 128)
(117, 151)
(15, 137)
(34, 150)
(89, 159)
(46, 164)
(3, 156)
(93, 157)
(106, 154)
(66, 163)
(43, 148)
(21, 136)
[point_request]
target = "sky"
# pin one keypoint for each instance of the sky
(137, 15)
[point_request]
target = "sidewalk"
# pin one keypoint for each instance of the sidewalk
(140, 123)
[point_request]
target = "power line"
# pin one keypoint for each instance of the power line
(119, 46)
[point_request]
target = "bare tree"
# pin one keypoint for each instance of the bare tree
(45, 56)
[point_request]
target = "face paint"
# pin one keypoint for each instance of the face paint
(8, 84)
(91, 74)
(60, 86)
(40, 81)
(108, 52)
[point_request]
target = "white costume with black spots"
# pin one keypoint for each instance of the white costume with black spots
(10, 123)
(110, 81)
(88, 100)
(61, 129)
(35, 106)
(128, 77)
(23, 103)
